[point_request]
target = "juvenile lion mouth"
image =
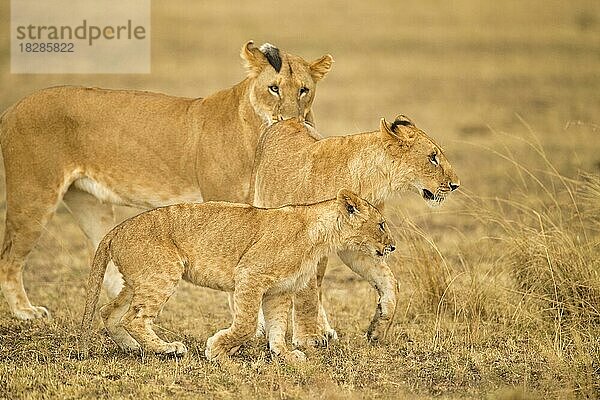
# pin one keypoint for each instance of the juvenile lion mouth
(427, 195)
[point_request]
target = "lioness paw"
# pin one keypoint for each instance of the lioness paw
(174, 349)
(295, 356)
(34, 312)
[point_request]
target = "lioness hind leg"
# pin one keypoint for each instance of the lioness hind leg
(96, 219)
(28, 210)
(147, 301)
(112, 314)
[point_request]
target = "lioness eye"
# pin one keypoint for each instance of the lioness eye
(433, 159)
(274, 89)
(382, 226)
(303, 90)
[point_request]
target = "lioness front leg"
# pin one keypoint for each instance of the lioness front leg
(246, 299)
(308, 332)
(379, 275)
(276, 308)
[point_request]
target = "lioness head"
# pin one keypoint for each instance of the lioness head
(413, 155)
(362, 226)
(282, 85)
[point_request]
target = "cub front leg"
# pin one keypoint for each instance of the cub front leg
(379, 275)
(246, 299)
(276, 308)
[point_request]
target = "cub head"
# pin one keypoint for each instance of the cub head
(362, 226)
(282, 85)
(417, 161)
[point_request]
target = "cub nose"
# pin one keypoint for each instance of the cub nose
(453, 186)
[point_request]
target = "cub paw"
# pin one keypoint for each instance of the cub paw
(378, 330)
(174, 349)
(331, 335)
(214, 351)
(129, 345)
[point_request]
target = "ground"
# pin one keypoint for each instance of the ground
(499, 288)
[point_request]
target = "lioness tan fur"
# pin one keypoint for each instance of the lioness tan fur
(98, 147)
(260, 255)
(293, 166)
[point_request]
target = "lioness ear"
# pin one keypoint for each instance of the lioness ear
(319, 68)
(350, 204)
(405, 136)
(403, 120)
(253, 58)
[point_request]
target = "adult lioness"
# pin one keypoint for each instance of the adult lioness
(293, 166)
(261, 255)
(135, 148)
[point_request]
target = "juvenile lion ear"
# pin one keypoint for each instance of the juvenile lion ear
(350, 204)
(319, 68)
(254, 59)
(399, 130)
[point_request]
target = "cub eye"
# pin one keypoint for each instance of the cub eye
(382, 226)
(303, 90)
(433, 159)
(274, 89)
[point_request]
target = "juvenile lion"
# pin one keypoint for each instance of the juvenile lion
(99, 147)
(261, 255)
(293, 166)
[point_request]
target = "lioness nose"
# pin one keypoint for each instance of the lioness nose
(453, 186)
(391, 247)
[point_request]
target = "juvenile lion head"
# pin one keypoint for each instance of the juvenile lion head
(416, 157)
(282, 85)
(362, 226)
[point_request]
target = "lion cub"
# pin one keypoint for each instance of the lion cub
(261, 255)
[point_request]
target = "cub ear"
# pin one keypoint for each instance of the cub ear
(254, 59)
(319, 68)
(399, 129)
(350, 204)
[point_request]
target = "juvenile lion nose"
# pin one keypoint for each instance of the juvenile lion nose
(453, 186)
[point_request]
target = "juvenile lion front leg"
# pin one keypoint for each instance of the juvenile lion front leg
(276, 309)
(246, 298)
(379, 275)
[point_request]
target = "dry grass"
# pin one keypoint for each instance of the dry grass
(500, 291)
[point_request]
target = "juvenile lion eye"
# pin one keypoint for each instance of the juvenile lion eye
(274, 89)
(433, 159)
(303, 90)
